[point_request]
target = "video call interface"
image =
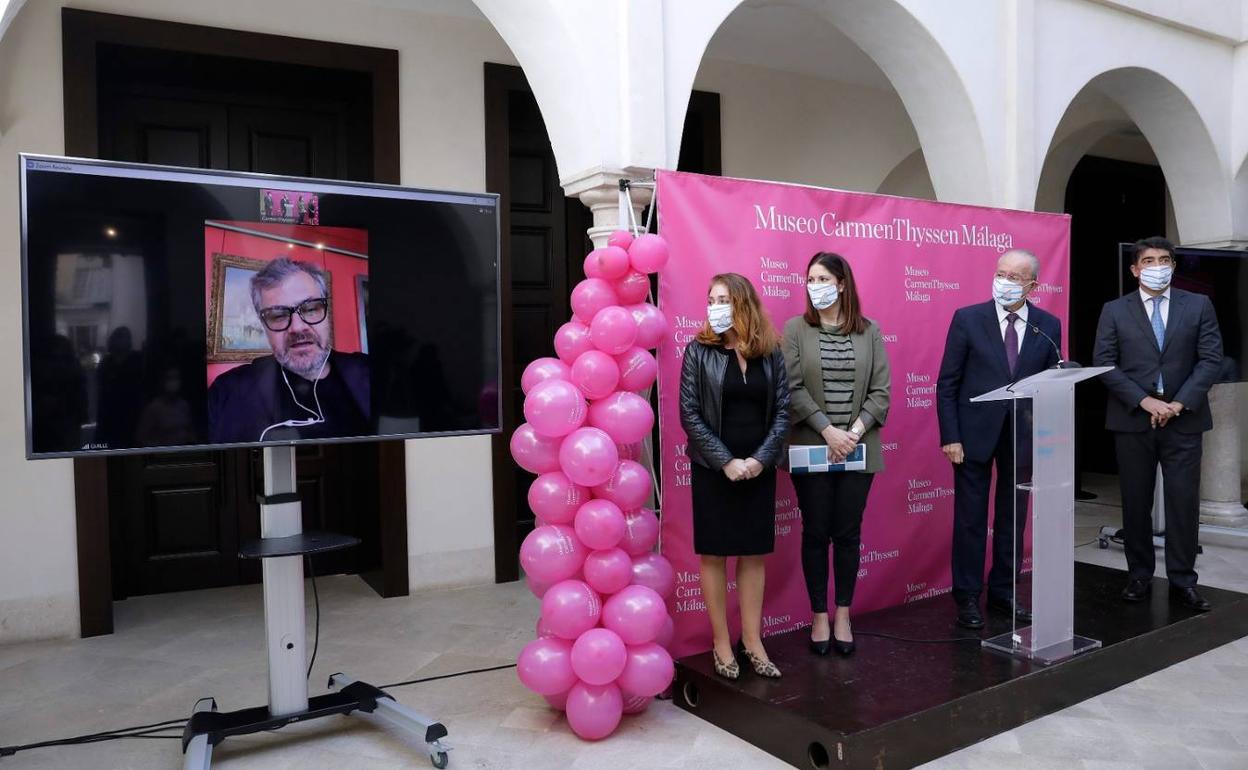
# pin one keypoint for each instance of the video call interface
(170, 308)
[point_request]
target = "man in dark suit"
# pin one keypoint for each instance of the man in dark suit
(1167, 350)
(305, 389)
(990, 345)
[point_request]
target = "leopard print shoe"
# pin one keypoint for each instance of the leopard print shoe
(764, 668)
(730, 670)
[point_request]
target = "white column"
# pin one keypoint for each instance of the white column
(600, 191)
(1220, 500)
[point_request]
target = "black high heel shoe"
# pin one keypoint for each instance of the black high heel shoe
(821, 648)
(844, 649)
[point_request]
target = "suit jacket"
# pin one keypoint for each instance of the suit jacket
(1188, 362)
(244, 401)
(806, 396)
(974, 363)
(701, 406)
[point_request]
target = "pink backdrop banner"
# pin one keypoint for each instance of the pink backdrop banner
(915, 262)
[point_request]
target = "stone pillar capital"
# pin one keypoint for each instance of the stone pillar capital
(599, 189)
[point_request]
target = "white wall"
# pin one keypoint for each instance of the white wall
(796, 128)
(442, 145)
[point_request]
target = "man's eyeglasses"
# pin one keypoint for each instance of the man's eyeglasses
(312, 311)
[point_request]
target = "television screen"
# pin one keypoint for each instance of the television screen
(171, 308)
(1221, 275)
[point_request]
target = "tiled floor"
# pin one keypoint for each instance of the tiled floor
(172, 649)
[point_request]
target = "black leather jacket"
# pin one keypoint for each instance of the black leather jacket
(701, 399)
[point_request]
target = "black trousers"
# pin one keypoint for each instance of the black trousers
(1179, 455)
(832, 506)
(971, 481)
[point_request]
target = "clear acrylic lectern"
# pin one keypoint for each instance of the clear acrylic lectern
(1049, 476)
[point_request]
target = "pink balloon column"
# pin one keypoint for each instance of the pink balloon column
(600, 650)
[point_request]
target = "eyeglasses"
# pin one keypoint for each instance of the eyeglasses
(312, 311)
(1015, 277)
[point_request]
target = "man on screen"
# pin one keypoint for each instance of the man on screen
(990, 345)
(305, 389)
(1166, 348)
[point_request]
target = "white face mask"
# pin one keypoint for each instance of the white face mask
(720, 317)
(1006, 292)
(823, 295)
(1157, 277)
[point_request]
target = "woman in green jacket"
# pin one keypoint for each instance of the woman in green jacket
(838, 381)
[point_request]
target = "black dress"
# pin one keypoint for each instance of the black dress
(737, 518)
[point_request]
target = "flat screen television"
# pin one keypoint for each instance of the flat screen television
(174, 309)
(1221, 275)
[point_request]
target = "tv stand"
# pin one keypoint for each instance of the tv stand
(281, 549)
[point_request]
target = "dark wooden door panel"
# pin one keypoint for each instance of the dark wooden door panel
(169, 132)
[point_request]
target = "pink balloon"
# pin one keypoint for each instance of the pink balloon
(629, 451)
(641, 532)
(539, 587)
(621, 238)
(626, 417)
(595, 373)
(648, 670)
(545, 666)
(608, 571)
(552, 553)
(557, 702)
(598, 656)
(571, 340)
(628, 487)
(654, 571)
(636, 613)
(638, 369)
(590, 296)
(542, 631)
(571, 608)
(648, 253)
(544, 369)
(554, 498)
(612, 261)
(632, 288)
(613, 330)
(599, 524)
(651, 325)
(634, 704)
(664, 637)
(533, 451)
(594, 711)
(588, 456)
(555, 408)
(591, 266)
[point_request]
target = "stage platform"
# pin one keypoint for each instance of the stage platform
(897, 704)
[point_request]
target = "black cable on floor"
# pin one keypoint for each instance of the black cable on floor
(448, 676)
(149, 732)
(316, 598)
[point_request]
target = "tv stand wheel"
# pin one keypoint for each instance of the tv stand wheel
(440, 759)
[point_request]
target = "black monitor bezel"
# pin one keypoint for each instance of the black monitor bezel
(160, 173)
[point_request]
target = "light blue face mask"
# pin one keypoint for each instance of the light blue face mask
(720, 317)
(1006, 292)
(1157, 277)
(823, 295)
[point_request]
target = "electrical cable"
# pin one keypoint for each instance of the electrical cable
(138, 731)
(448, 676)
(316, 599)
(918, 641)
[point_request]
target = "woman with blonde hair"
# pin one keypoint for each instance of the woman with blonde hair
(734, 407)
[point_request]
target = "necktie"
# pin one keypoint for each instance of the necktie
(1159, 331)
(1011, 342)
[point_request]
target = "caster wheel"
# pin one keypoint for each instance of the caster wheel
(440, 760)
(1103, 544)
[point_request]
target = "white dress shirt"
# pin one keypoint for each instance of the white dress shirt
(1020, 325)
(1165, 306)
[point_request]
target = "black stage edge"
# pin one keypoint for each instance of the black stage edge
(897, 704)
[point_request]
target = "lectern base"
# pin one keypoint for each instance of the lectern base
(1018, 644)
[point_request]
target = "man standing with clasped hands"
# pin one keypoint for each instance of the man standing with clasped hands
(1167, 349)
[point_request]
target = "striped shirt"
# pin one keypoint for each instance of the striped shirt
(836, 351)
